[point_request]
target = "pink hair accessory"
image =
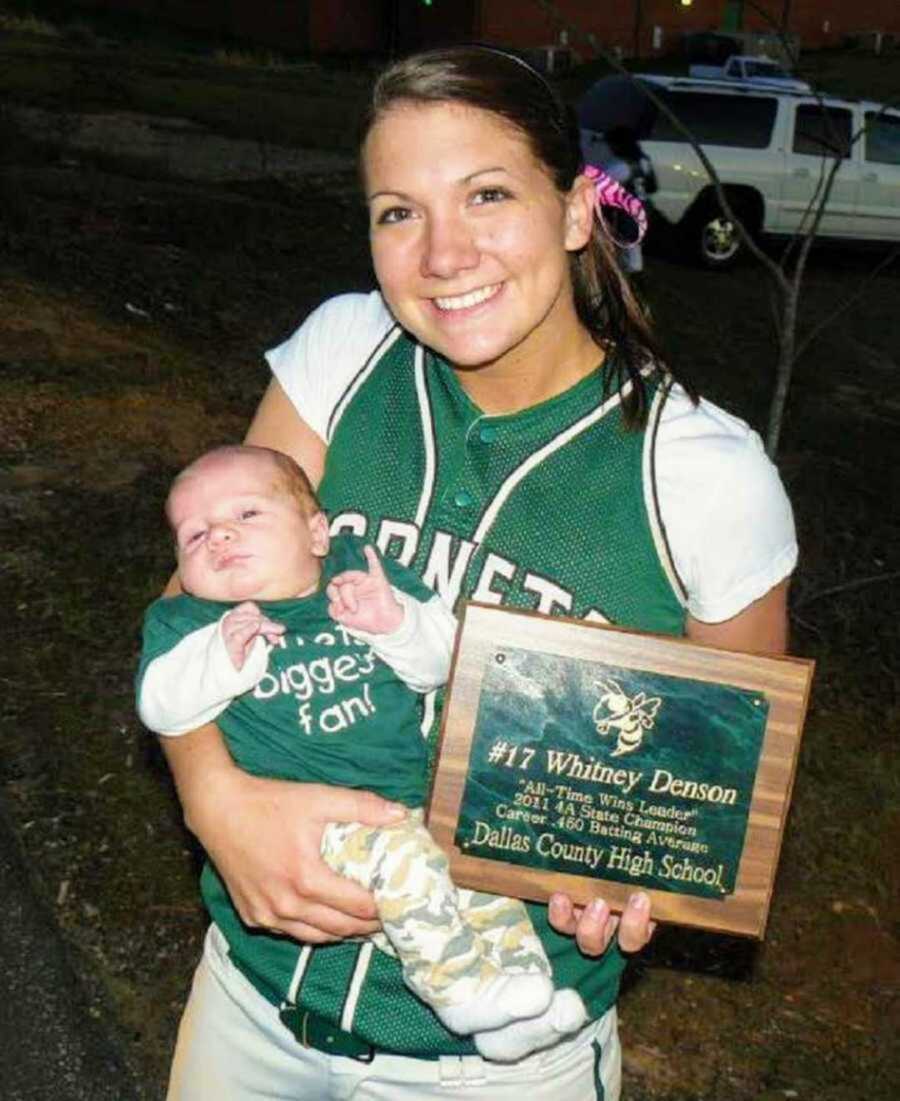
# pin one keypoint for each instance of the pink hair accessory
(609, 192)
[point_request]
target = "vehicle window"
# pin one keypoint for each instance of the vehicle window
(882, 138)
(762, 68)
(822, 131)
(718, 119)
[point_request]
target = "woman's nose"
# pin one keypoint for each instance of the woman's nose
(449, 247)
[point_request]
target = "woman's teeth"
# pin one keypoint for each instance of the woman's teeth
(464, 301)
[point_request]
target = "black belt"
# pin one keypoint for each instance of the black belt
(317, 1032)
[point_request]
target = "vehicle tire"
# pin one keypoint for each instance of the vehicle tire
(713, 236)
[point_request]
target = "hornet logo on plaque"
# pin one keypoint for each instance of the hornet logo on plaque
(629, 716)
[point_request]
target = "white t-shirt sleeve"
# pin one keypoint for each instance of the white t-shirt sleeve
(195, 681)
(316, 363)
(728, 520)
(419, 651)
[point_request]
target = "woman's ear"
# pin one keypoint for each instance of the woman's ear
(579, 213)
(319, 538)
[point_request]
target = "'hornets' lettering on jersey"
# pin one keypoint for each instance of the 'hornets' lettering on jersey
(445, 570)
(398, 539)
(552, 599)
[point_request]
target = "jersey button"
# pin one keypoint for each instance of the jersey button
(463, 498)
(488, 433)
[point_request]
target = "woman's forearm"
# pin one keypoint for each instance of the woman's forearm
(198, 761)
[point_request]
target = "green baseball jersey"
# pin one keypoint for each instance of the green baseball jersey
(549, 509)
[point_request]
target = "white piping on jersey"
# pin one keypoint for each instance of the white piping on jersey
(427, 439)
(427, 713)
(537, 457)
(651, 497)
(356, 984)
(299, 971)
(474, 425)
(353, 386)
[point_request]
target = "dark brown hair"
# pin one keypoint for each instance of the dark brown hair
(505, 85)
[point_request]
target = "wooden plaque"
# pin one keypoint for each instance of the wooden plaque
(593, 760)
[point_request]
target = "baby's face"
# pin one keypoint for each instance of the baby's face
(240, 535)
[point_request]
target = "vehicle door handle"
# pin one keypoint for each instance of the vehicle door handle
(870, 177)
(801, 173)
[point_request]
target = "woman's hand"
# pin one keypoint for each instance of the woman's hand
(594, 926)
(264, 835)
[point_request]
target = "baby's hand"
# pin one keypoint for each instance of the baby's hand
(365, 601)
(240, 628)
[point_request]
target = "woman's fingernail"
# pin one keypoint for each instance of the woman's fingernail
(596, 907)
(396, 811)
(639, 901)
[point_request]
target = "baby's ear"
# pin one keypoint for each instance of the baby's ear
(319, 538)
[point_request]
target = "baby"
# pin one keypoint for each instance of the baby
(309, 652)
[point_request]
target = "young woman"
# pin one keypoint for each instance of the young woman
(495, 416)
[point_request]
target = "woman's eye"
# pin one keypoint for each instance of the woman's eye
(249, 513)
(490, 195)
(193, 538)
(393, 215)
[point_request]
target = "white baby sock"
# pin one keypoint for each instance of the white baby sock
(565, 1015)
(504, 999)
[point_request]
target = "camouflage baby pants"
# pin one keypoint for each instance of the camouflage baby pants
(451, 942)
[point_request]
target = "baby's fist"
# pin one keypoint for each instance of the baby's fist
(240, 628)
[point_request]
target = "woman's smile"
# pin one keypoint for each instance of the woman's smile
(468, 300)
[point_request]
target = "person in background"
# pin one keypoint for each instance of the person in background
(619, 155)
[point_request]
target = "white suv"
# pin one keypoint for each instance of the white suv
(771, 149)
